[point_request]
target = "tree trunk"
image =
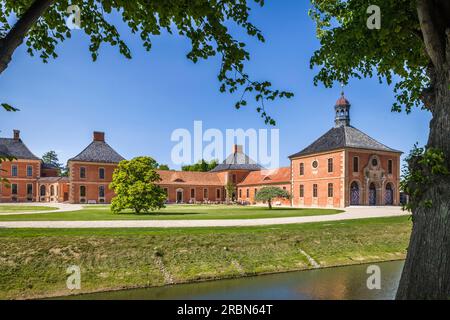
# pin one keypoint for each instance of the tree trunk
(270, 204)
(17, 33)
(426, 274)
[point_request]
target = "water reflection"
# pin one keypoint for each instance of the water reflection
(333, 283)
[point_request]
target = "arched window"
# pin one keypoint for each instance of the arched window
(372, 194)
(42, 191)
(389, 194)
(52, 190)
(354, 193)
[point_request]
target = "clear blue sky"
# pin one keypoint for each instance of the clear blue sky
(139, 102)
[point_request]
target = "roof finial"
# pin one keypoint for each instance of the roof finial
(342, 88)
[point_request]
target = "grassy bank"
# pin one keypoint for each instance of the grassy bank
(33, 262)
(24, 208)
(175, 212)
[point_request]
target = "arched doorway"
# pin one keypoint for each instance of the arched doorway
(372, 194)
(179, 195)
(389, 195)
(354, 193)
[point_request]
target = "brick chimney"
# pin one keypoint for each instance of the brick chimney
(16, 134)
(99, 136)
(237, 148)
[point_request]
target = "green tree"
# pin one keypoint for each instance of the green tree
(51, 158)
(270, 193)
(202, 166)
(135, 184)
(230, 190)
(163, 167)
(206, 23)
(411, 50)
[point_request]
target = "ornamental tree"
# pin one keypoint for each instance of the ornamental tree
(135, 184)
(270, 193)
(41, 24)
(410, 50)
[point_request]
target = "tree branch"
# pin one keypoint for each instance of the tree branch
(431, 35)
(17, 33)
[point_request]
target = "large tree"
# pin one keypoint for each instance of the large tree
(135, 183)
(412, 50)
(267, 194)
(42, 25)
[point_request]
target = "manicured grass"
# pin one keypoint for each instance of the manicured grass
(24, 208)
(176, 212)
(33, 262)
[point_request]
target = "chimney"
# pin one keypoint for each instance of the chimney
(237, 148)
(16, 134)
(99, 136)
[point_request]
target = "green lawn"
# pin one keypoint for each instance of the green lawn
(33, 262)
(175, 212)
(24, 208)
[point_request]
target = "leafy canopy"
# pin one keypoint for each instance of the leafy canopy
(135, 184)
(270, 193)
(204, 22)
(202, 166)
(395, 53)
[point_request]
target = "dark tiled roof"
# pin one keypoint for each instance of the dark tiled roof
(98, 151)
(343, 137)
(49, 166)
(237, 161)
(15, 148)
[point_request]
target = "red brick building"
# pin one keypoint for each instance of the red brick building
(345, 167)
(90, 172)
(342, 167)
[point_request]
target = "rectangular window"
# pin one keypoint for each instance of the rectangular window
(101, 191)
(166, 191)
(355, 164)
(248, 192)
(192, 193)
(82, 172)
(315, 190)
(330, 165)
(302, 191)
(82, 191)
(302, 169)
(330, 190)
(29, 171)
(234, 178)
(14, 188)
(218, 193)
(205, 193)
(14, 170)
(101, 173)
(256, 190)
(29, 189)
(240, 193)
(390, 166)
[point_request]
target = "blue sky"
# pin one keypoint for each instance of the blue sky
(139, 102)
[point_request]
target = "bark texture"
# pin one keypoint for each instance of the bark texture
(17, 33)
(426, 274)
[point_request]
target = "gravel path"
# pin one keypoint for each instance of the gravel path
(350, 213)
(62, 207)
